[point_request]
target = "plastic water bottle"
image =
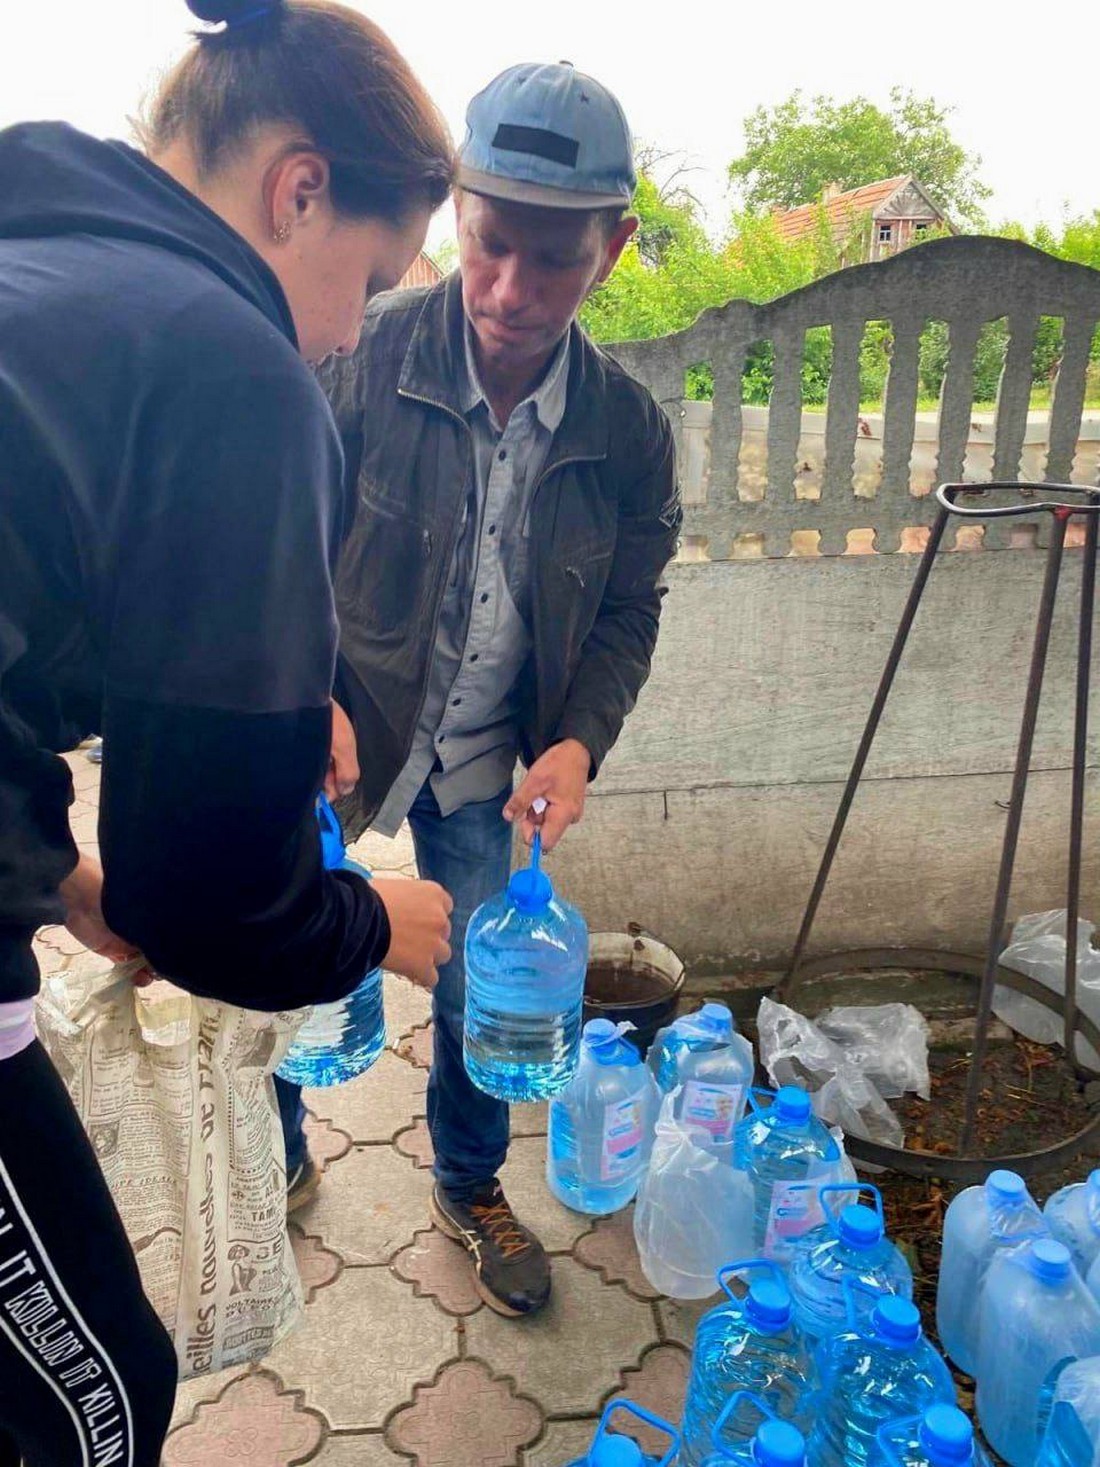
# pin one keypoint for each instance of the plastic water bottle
(526, 959)
(868, 1376)
(339, 1040)
(609, 1449)
(775, 1443)
(942, 1437)
(703, 1053)
(849, 1248)
(1072, 1436)
(981, 1221)
(781, 1147)
(748, 1343)
(601, 1128)
(1073, 1217)
(1037, 1317)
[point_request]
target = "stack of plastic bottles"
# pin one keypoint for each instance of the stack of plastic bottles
(713, 1065)
(610, 1449)
(1073, 1217)
(774, 1443)
(942, 1437)
(1072, 1437)
(781, 1147)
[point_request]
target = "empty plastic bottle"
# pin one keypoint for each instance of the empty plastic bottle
(703, 1053)
(981, 1221)
(339, 1040)
(1037, 1317)
(526, 958)
(1073, 1217)
(780, 1147)
(849, 1248)
(774, 1443)
(748, 1343)
(601, 1128)
(869, 1376)
(942, 1437)
(1072, 1437)
(609, 1449)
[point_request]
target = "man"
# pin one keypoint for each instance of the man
(499, 592)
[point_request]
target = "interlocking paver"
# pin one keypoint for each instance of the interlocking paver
(369, 1206)
(375, 1105)
(529, 1120)
(441, 1270)
(255, 1421)
(362, 1346)
(569, 1356)
(465, 1417)
(659, 1384)
(318, 1266)
(563, 1441)
(192, 1393)
(679, 1317)
(406, 1005)
(357, 1451)
(523, 1178)
(610, 1249)
(327, 1144)
(416, 1047)
(416, 1143)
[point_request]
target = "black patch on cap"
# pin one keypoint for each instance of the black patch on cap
(537, 141)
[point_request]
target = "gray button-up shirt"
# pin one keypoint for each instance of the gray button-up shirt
(466, 740)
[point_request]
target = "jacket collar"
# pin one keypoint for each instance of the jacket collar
(434, 369)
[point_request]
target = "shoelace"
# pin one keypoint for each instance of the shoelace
(499, 1222)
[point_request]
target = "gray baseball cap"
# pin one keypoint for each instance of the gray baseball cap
(550, 136)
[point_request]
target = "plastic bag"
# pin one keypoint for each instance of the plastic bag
(796, 1051)
(694, 1210)
(889, 1043)
(176, 1095)
(1038, 949)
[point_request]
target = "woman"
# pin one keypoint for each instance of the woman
(171, 501)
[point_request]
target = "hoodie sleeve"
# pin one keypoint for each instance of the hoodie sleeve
(221, 643)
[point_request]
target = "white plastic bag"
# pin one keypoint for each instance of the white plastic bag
(888, 1042)
(694, 1210)
(176, 1096)
(1038, 949)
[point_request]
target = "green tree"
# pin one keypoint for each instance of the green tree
(793, 150)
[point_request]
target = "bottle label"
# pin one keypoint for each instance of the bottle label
(716, 1109)
(795, 1209)
(622, 1139)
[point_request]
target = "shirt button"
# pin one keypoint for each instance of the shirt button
(492, 529)
(503, 454)
(455, 702)
(474, 656)
(484, 597)
(442, 739)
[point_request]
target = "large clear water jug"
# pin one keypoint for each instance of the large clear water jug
(849, 1248)
(339, 1040)
(749, 1342)
(1073, 1217)
(871, 1375)
(781, 1147)
(942, 1437)
(610, 1449)
(712, 1063)
(980, 1222)
(526, 959)
(774, 1443)
(1072, 1437)
(601, 1127)
(1036, 1317)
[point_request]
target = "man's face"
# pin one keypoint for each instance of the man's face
(526, 272)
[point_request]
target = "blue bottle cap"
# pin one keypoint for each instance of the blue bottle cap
(946, 1436)
(896, 1321)
(332, 837)
(768, 1304)
(779, 1444)
(716, 1017)
(603, 1044)
(1050, 1261)
(792, 1105)
(530, 890)
(1009, 1187)
(615, 1451)
(859, 1227)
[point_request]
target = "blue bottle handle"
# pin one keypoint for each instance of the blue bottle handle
(649, 1418)
(754, 1091)
(734, 1402)
(848, 1188)
(907, 1423)
(742, 1266)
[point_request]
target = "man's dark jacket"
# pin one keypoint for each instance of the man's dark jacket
(604, 520)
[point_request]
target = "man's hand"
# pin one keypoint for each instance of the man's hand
(560, 777)
(82, 893)
(420, 928)
(343, 763)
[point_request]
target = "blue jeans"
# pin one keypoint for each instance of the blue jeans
(469, 853)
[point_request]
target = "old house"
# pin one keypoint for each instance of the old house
(870, 222)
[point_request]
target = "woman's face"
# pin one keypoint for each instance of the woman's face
(330, 270)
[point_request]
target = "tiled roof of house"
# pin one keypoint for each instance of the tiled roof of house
(839, 210)
(422, 271)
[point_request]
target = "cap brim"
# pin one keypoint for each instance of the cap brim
(543, 196)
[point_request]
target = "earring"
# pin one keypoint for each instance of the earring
(282, 232)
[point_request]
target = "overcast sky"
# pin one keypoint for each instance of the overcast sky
(1026, 97)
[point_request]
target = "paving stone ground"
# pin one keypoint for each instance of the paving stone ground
(396, 1360)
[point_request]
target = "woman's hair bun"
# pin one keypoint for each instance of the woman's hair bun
(232, 11)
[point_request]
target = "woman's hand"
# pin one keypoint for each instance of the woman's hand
(82, 893)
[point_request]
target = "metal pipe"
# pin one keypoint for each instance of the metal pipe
(1080, 752)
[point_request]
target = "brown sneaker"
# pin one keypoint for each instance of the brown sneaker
(510, 1264)
(302, 1184)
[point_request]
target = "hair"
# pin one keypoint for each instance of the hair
(324, 69)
